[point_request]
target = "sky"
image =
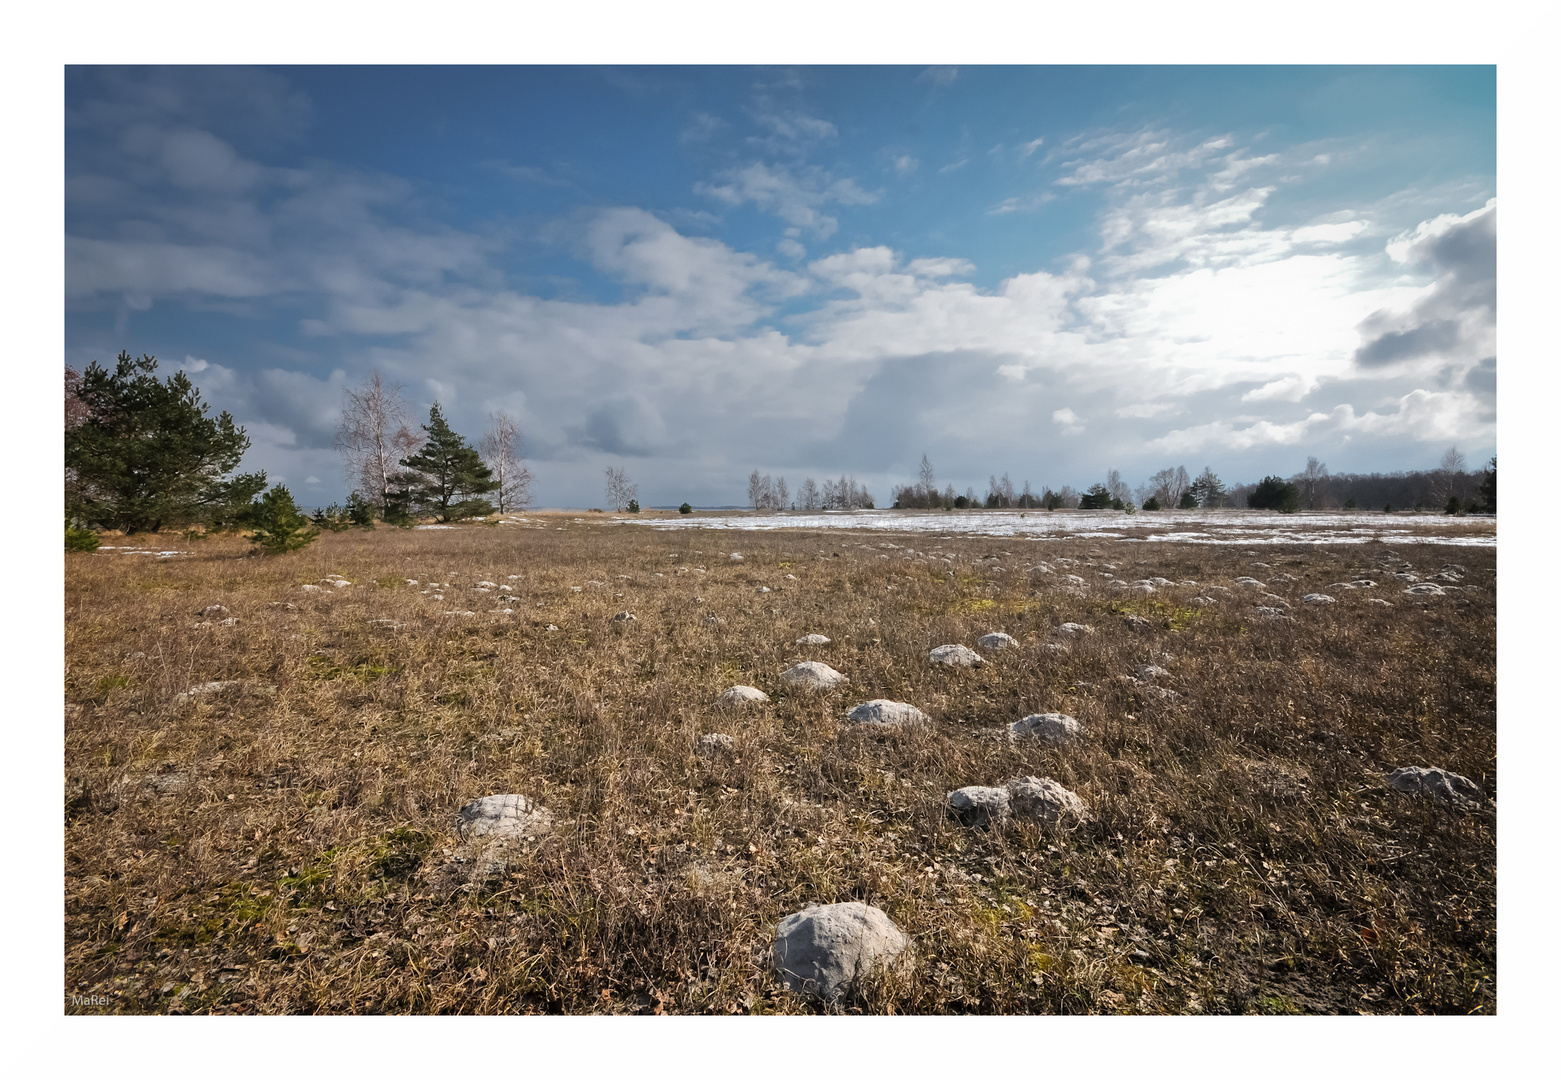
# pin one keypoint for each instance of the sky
(694, 272)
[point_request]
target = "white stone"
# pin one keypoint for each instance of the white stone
(1439, 784)
(1384, 603)
(1048, 727)
(1044, 801)
(1249, 582)
(716, 743)
(211, 611)
(502, 816)
(822, 952)
(976, 805)
(734, 557)
(812, 639)
(812, 675)
(311, 588)
(1426, 589)
(1272, 614)
(880, 712)
(1151, 671)
(998, 641)
(1073, 629)
(625, 616)
(487, 585)
(742, 695)
(762, 589)
(1318, 598)
(955, 656)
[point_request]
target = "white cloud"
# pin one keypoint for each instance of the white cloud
(1029, 148)
(939, 76)
(951, 166)
(1149, 410)
(1337, 233)
(1070, 421)
(905, 164)
(1289, 388)
(795, 196)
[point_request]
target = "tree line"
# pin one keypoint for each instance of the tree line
(144, 453)
(1449, 488)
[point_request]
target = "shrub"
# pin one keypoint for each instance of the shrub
(961, 503)
(685, 509)
(1151, 503)
(1349, 504)
(634, 506)
(80, 539)
(1189, 501)
(277, 525)
(330, 517)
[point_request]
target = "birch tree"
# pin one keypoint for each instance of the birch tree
(374, 436)
(500, 450)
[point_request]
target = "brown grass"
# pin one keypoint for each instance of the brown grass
(294, 850)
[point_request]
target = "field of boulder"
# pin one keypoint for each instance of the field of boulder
(567, 767)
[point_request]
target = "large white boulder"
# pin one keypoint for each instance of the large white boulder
(734, 696)
(976, 805)
(502, 816)
(1439, 784)
(880, 712)
(955, 656)
(1044, 801)
(812, 675)
(822, 952)
(1049, 727)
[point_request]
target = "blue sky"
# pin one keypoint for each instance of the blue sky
(694, 272)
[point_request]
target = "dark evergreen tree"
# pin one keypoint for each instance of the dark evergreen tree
(1189, 501)
(685, 509)
(447, 475)
(1273, 493)
(146, 453)
(1488, 489)
(1098, 497)
(1151, 503)
(360, 511)
(276, 524)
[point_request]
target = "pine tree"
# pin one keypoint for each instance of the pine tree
(278, 527)
(146, 453)
(447, 475)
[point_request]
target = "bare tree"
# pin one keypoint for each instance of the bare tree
(1311, 483)
(374, 435)
(809, 494)
(1166, 487)
(782, 496)
(500, 450)
(1450, 479)
(757, 486)
(620, 490)
(1118, 489)
(927, 481)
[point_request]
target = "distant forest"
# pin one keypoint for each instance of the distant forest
(1450, 487)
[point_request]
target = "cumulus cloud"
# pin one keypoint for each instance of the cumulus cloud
(1070, 422)
(796, 196)
(1454, 318)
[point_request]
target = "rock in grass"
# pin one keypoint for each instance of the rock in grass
(1439, 784)
(502, 816)
(211, 611)
(625, 617)
(812, 639)
(823, 952)
(955, 656)
(1318, 598)
(1052, 727)
(812, 675)
(1249, 582)
(716, 744)
(734, 696)
(1073, 629)
(1044, 801)
(1426, 588)
(1272, 614)
(998, 641)
(1151, 671)
(880, 712)
(210, 689)
(976, 806)
(1137, 622)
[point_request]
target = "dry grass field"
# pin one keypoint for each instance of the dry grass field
(287, 845)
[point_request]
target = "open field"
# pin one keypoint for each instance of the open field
(287, 843)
